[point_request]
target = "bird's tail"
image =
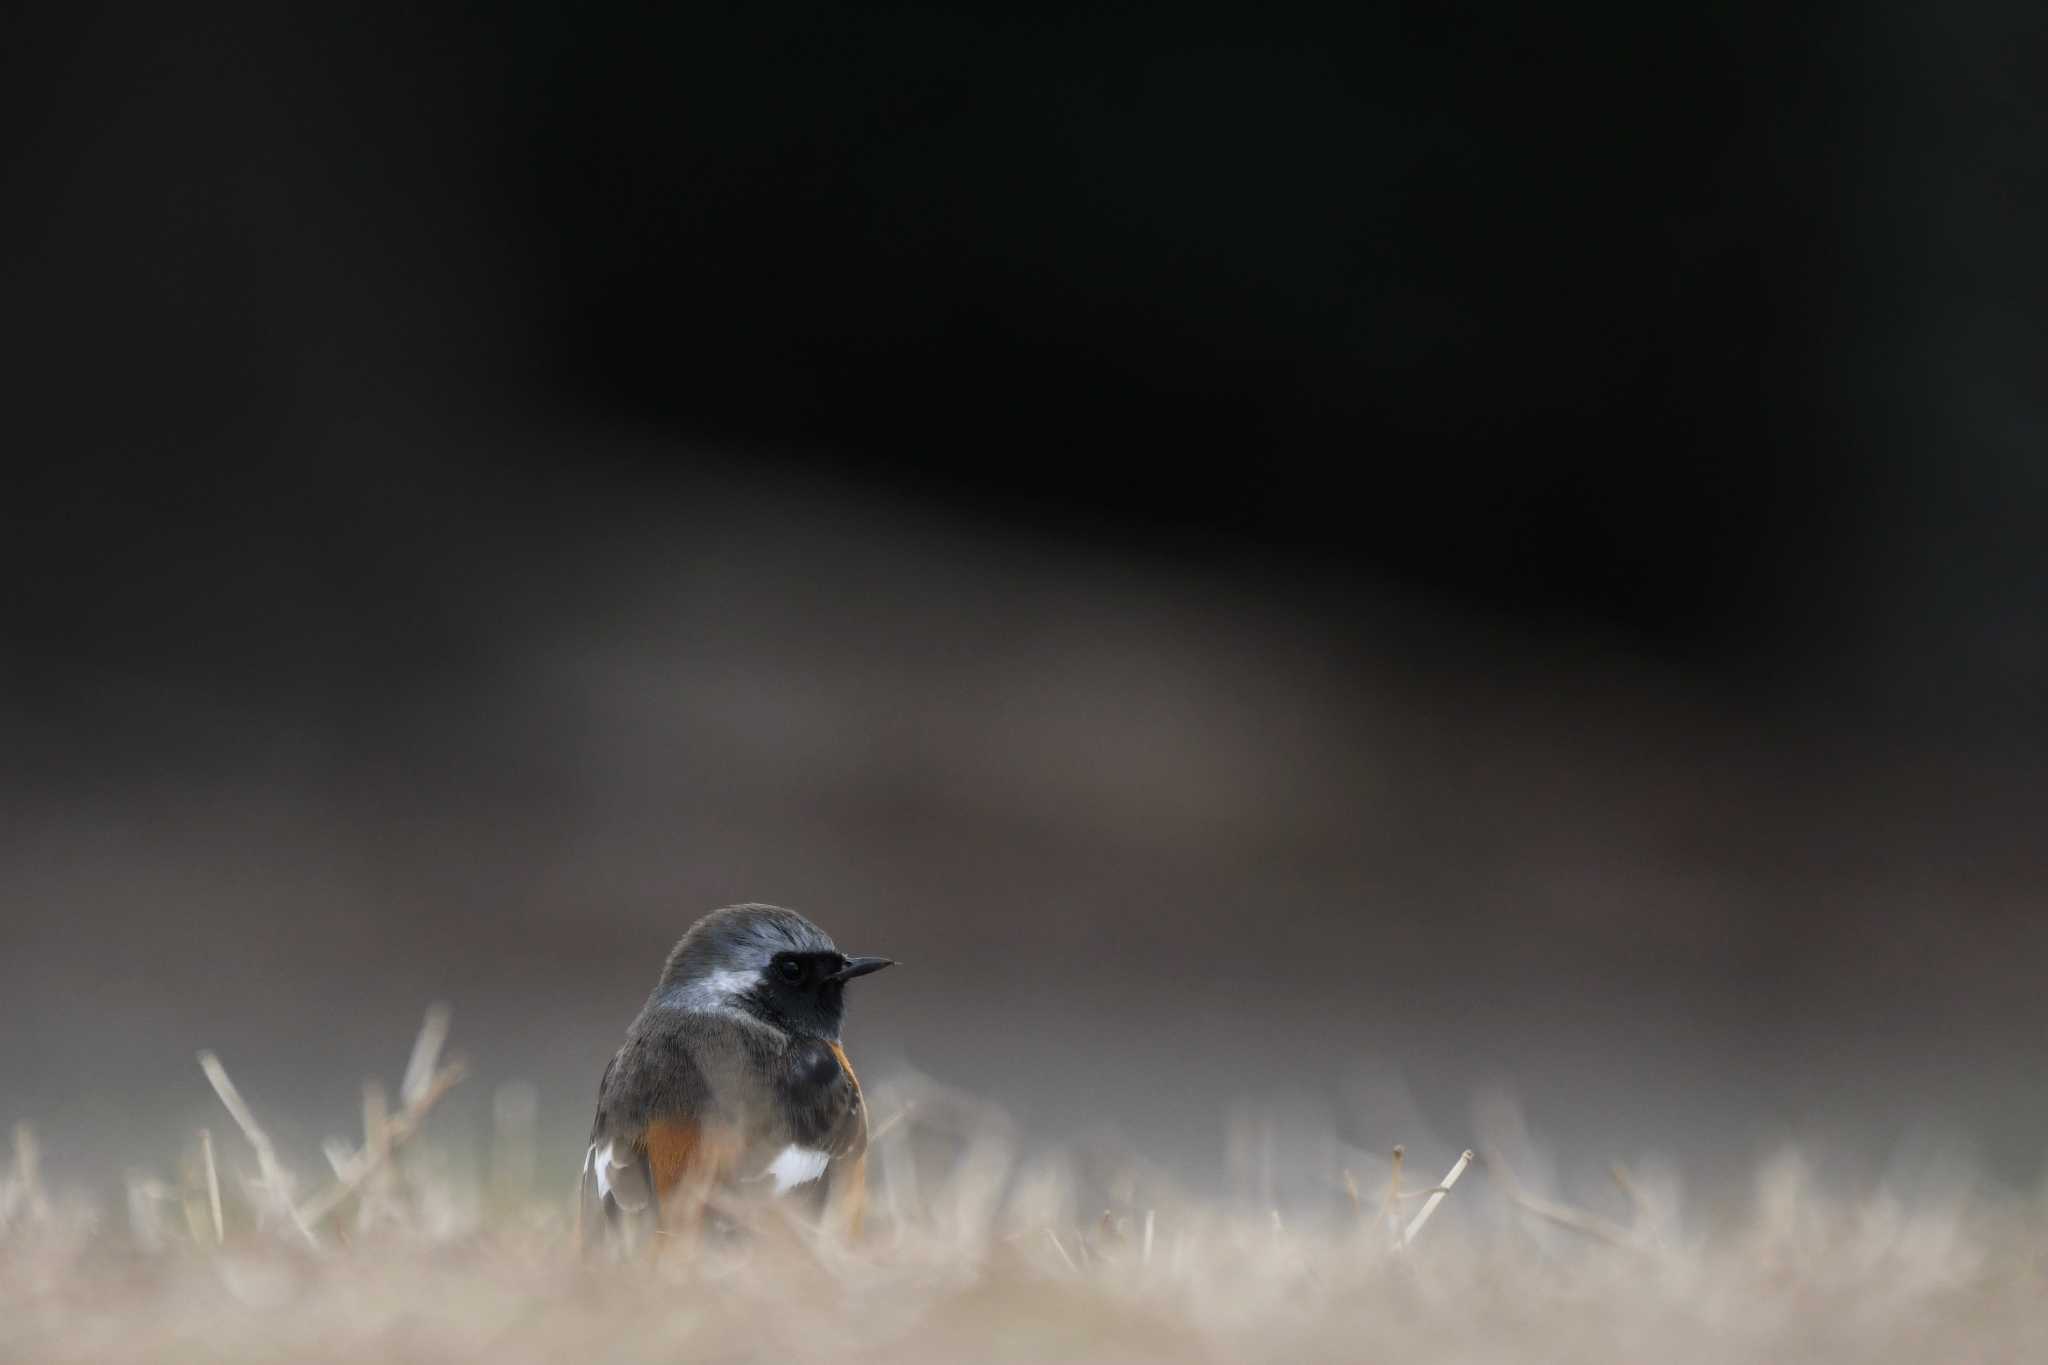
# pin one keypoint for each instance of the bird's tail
(614, 1201)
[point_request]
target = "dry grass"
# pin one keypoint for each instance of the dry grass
(974, 1253)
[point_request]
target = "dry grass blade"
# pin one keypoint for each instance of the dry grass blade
(1385, 1217)
(376, 1194)
(426, 1054)
(1436, 1197)
(394, 1132)
(376, 1113)
(275, 1181)
(360, 1172)
(1054, 1238)
(882, 1129)
(1563, 1215)
(212, 1184)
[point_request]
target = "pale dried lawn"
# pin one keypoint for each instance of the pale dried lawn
(973, 1252)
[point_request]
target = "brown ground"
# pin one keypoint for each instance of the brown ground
(974, 1250)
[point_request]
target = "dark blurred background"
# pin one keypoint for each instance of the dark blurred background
(1363, 551)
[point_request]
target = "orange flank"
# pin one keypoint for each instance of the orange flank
(844, 1065)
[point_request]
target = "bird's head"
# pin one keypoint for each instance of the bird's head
(765, 961)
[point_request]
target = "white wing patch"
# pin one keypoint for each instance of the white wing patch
(630, 1193)
(795, 1166)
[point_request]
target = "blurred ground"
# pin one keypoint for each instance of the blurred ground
(973, 1250)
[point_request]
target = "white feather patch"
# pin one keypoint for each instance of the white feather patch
(794, 1166)
(714, 993)
(630, 1193)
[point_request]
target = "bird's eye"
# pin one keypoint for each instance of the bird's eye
(791, 969)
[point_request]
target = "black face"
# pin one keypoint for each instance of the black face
(807, 990)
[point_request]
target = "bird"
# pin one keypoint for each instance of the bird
(731, 1085)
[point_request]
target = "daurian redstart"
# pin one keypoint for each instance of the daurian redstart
(732, 1083)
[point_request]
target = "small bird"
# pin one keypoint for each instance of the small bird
(731, 1083)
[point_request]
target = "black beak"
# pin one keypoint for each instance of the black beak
(861, 966)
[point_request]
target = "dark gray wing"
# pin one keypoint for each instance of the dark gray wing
(616, 1203)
